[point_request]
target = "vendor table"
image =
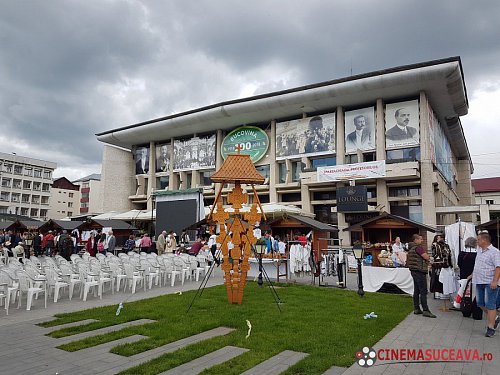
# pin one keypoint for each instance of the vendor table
(275, 268)
(375, 277)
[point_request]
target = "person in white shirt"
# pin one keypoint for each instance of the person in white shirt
(398, 255)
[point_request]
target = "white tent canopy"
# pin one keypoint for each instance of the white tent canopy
(272, 210)
(107, 215)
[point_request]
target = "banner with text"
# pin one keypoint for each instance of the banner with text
(346, 172)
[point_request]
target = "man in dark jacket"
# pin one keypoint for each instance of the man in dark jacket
(418, 263)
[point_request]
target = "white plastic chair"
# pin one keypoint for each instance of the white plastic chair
(118, 274)
(71, 278)
(133, 277)
(54, 282)
(87, 283)
(26, 285)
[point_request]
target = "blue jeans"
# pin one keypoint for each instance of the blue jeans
(486, 297)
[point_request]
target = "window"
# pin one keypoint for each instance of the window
(291, 197)
(16, 184)
(37, 186)
(324, 162)
(45, 200)
(27, 185)
(411, 191)
(490, 201)
(351, 159)
(324, 195)
(4, 196)
(162, 182)
(282, 172)
(24, 211)
(264, 170)
(85, 185)
(371, 193)
(403, 155)
(35, 199)
(296, 170)
(369, 156)
(70, 213)
(37, 173)
(70, 195)
(205, 177)
(189, 180)
(18, 169)
(6, 182)
(409, 209)
(70, 204)
(85, 195)
(45, 187)
(25, 198)
(28, 171)
(84, 205)
(34, 212)
(46, 174)
(264, 198)
(43, 213)
(325, 215)
(16, 197)
(7, 168)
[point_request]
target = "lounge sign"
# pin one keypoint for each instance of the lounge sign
(352, 199)
(251, 141)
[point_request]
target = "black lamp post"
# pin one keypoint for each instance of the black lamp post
(359, 251)
(260, 248)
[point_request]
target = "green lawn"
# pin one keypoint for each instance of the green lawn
(327, 323)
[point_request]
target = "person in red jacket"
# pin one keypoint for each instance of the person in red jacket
(48, 243)
(91, 246)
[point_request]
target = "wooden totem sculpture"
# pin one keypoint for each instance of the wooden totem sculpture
(236, 227)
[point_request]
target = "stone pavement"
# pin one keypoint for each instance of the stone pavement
(26, 349)
(450, 330)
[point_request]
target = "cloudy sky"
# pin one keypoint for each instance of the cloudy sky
(70, 69)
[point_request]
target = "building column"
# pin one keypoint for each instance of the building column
(484, 213)
(340, 152)
(151, 174)
(382, 191)
(273, 165)
(426, 168)
(218, 156)
(171, 182)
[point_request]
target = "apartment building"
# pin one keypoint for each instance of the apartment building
(25, 186)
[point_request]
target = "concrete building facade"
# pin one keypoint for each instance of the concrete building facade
(90, 194)
(65, 199)
(353, 120)
(25, 186)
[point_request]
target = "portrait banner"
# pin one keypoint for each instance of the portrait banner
(360, 130)
(402, 124)
(141, 160)
(163, 158)
(194, 153)
(306, 137)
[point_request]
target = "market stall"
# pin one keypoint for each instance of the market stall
(379, 233)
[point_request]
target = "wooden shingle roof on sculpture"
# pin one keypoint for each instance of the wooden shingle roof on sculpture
(238, 167)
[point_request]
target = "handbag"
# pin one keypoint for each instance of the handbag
(466, 302)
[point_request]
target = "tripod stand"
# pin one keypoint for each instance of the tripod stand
(262, 270)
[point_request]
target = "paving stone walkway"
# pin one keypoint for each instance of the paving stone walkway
(26, 350)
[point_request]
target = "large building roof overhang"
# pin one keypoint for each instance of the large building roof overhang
(441, 80)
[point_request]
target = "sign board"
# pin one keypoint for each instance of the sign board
(253, 141)
(352, 199)
(346, 172)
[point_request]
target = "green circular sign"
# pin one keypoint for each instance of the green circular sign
(252, 141)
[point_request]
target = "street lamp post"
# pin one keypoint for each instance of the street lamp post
(260, 248)
(358, 251)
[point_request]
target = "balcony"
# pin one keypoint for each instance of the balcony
(84, 210)
(84, 200)
(85, 190)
